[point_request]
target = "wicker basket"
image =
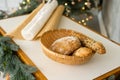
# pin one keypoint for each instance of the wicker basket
(50, 36)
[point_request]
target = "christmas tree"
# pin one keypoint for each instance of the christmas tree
(78, 10)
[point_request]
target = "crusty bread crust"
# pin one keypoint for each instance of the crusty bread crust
(66, 45)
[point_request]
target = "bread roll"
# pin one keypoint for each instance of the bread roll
(66, 45)
(82, 52)
(98, 47)
(91, 43)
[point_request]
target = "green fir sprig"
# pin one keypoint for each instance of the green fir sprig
(10, 62)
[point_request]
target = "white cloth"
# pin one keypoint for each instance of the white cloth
(36, 24)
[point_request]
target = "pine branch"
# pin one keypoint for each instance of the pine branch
(10, 62)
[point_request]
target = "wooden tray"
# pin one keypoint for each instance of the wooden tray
(114, 74)
(38, 74)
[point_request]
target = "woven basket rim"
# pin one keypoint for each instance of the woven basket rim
(47, 51)
(56, 52)
(61, 29)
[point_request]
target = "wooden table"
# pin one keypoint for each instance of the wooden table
(98, 65)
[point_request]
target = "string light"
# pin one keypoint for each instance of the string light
(28, 1)
(79, 21)
(83, 20)
(23, 2)
(19, 8)
(90, 17)
(83, 8)
(86, 3)
(66, 4)
(84, 24)
(73, 2)
(87, 19)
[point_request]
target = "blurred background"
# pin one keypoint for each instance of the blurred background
(83, 11)
(102, 16)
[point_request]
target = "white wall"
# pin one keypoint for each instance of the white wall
(9, 4)
(111, 18)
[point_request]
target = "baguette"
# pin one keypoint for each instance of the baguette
(90, 43)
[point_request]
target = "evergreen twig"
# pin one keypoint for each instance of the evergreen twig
(10, 62)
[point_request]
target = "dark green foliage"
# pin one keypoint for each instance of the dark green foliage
(10, 62)
(71, 9)
(74, 8)
(26, 8)
(3, 14)
(78, 5)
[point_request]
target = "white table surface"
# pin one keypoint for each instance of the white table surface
(97, 66)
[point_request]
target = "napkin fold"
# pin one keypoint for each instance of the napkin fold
(37, 23)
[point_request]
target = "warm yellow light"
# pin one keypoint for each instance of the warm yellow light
(79, 21)
(66, 4)
(86, 3)
(83, 8)
(28, 1)
(90, 17)
(87, 19)
(19, 8)
(73, 3)
(23, 2)
(84, 24)
(83, 20)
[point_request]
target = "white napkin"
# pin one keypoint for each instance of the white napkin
(36, 24)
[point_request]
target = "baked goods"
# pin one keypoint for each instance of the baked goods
(50, 37)
(98, 47)
(91, 43)
(66, 45)
(83, 51)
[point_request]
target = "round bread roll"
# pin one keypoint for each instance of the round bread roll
(82, 52)
(66, 45)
